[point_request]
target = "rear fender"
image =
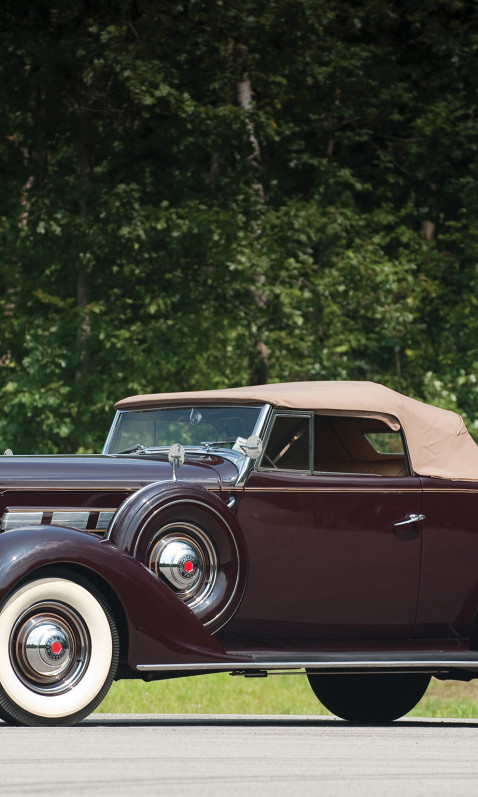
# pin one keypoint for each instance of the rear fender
(161, 629)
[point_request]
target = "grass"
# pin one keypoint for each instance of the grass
(276, 694)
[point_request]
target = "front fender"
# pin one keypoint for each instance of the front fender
(161, 629)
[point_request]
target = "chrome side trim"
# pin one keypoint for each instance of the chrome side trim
(79, 520)
(452, 490)
(76, 518)
(12, 520)
(434, 664)
(104, 518)
(315, 489)
(80, 485)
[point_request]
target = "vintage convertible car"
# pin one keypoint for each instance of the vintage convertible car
(327, 528)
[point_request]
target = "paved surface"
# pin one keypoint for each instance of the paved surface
(138, 755)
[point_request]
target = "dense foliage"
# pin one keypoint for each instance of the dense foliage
(207, 193)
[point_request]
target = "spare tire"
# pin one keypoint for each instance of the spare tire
(190, 539)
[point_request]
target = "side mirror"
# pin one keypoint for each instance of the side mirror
(252, 447)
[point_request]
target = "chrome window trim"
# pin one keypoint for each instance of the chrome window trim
(283, 413)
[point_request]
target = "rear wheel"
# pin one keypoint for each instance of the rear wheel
(59, 651)
(369, 698)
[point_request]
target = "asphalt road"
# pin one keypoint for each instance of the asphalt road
(138, 755)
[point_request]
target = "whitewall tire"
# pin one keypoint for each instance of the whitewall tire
(58, 651)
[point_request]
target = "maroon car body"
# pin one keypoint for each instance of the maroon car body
(326, 528)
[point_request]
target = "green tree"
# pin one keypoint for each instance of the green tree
(203, 194)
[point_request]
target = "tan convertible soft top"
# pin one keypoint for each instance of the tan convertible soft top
(438, 441)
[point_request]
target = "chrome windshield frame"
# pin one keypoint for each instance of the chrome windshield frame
(111, 433)
(240, 461)
(248, 463)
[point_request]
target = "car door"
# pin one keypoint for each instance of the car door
(447, 607)
(332, 555)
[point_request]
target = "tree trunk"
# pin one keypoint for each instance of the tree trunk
(244, 98)
(259, 349)
(83, 283)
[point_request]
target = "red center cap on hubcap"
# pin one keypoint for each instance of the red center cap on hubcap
(188, 566)
(56, 648)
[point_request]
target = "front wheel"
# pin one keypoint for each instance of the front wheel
(59, 651)
(369, 698)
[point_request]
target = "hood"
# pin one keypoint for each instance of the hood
(128, 472)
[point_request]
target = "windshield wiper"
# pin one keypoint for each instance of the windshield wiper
(214, 443)
(139, 448)
(136, 449)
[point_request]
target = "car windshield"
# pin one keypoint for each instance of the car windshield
(214, 427)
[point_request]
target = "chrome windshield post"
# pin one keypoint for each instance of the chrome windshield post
(111, 433)
(248, 463)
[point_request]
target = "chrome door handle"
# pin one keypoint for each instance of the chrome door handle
(409, 519)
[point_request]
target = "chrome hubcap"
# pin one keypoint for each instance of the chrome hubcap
(50, 648)
(180, 563)
(47, 647)
(185, 558)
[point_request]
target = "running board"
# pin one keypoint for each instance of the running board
(432, 662)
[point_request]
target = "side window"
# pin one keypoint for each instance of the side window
(358, 446)
(288, 446)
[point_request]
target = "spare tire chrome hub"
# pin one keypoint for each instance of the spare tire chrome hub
(183, 555)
